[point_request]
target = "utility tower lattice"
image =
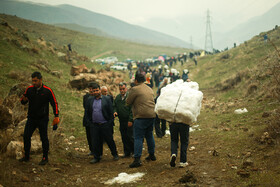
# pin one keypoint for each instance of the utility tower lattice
(208, 36)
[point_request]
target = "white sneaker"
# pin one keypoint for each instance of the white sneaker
(183, 164)
(172, 160)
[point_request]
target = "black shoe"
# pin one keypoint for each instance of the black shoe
(116, 157)
(136, 163)
(151, 157)
(44, 161)
(24, 159)
(172, 160)
(94, 161)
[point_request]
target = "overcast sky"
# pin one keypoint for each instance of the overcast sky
(140, 11)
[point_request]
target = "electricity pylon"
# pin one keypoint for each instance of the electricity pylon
(208, 37)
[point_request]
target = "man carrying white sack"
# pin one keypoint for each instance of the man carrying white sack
(179, 103)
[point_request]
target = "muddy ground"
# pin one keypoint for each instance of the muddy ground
(214, 160)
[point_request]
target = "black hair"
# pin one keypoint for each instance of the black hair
(140, 77)
(36, 74)
(93, 85)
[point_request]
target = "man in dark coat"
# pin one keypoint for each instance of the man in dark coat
(99, 116)
(125, 116)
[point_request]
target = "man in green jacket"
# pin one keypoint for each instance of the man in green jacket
(125, 116)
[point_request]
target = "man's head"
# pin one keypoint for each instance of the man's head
(104, 90)
(94, 89)
(139, 78)
(36, 79)
(123, 88)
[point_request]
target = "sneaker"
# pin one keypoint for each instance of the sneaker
(24, 159)
(94, 161)
(44, 161)
(151, 157)
(172, 160)
(116, 157)
(136, 163)
(183, 164)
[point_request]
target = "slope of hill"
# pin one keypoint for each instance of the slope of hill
(73, 15)
(226, 149)
(88, 44)
(79, 28)
(250, 28)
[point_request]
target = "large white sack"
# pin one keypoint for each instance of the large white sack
(179, 102)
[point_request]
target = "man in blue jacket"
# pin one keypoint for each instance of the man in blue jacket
(99, 116)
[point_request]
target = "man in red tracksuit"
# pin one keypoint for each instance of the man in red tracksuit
(38, 96)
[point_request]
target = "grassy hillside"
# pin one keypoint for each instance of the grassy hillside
(87, 44)
(70, 14)
(246, 76)
(20, 52)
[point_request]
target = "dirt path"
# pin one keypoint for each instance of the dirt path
(102, 54)
(215, 157)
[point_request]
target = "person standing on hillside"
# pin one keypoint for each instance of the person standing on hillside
(38, 96)
(104, 91)
(176, 130)
(141, 98)
(124, 114)
(99, 115)
(160, 129)
(87, 125)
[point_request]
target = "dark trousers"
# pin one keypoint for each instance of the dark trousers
(160, 130)
(127, 137)
(89, 139)
(30, 127)
(98, 133)
(182, 130)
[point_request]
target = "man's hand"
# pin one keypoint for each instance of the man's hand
(24, 98)
(115, 114)
(129, 124)
(55, 122)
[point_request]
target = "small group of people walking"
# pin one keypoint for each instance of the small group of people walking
(134, 109)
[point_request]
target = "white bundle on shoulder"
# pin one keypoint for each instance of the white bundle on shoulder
(179, 102)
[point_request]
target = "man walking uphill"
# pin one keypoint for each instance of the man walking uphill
(38, 96)
(141, 97)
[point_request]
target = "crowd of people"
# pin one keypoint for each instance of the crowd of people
(133, 107)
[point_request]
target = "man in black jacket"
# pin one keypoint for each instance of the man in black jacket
(99, 116)
(86, 125)
(38, 96)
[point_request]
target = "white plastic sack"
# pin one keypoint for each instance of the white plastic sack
(125, 178)
(240, 111)
(179, 102)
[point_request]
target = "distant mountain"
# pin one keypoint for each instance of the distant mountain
(249, 29)
(225, 30)
(68, 14)
(76, 27)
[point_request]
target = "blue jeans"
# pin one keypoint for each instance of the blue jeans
(181, 129)
(143, 127)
